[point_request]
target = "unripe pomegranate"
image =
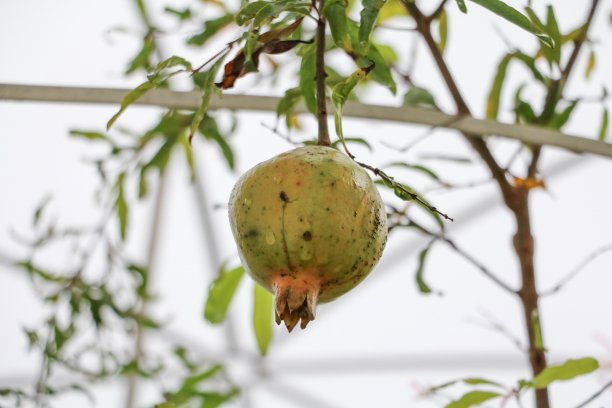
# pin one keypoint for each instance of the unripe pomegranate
(310, 225)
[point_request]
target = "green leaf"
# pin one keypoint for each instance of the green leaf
(443, 30)
(553, 30)
(335, 12)
(482, 381)
(38, 212)
(416, 167)
(473, 398)
(566, 371)
(210, 130)
(423, 287)
(603, 129)
(188, 156)
(262, 317)
(461, 5)
(497, 86)
(208, 87)
(590, 65)
(262, 12)
(307, 78)
(368, 15)
(191, 384)
(356, 140)
(560, 119)
(181, 14)
(171, 62)
(121, 206)
(420, 97)
(89, 135)
(524, 111)
(143, 58)
(515, 17)
(537, 330)
(211, 27)
(137, 92)
(286, 105)
(220, 294)
(340, 94)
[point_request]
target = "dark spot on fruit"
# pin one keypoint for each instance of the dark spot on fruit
(328, 209)
(252, 233)
(283, 196)
(307, 236)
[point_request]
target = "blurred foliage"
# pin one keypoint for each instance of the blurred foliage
(89, 303)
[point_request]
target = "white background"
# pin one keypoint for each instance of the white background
(384, 341)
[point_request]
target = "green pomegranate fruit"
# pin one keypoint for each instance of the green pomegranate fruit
(310, 225)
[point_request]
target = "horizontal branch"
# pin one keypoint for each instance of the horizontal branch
(190, 100)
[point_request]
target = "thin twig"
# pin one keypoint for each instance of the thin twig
(485, 271)
(579, 268)
(323, 136)
(596, 395)
(437, 11)
(501, 329)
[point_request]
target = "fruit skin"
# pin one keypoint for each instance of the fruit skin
(309, 225)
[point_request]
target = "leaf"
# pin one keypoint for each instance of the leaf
(524, 111)
(590, 65)
(211, 27)
(423, 287)
(335, 12)
(392, 8)
(416, 167)
(171, 62)
(603, 129)
(381, 72)
(443, 30)
(89, 135)
(340, 94)
(560, 119)
(280, 33)
(207, 87)
(262, 12)
(143, 58)
(420, 97)
(515, 17)
(481, 381)
(473, 398)
(286, 105)
(553, 30)
(121, 206)
(497, 86)
(566, 371)
(210, 130)
(188, 156)
(307, 78)
(181, 14)
(368, 15)
(262, 318)
(537, 330)
(356, 140)
(137, 92)
(461, 5)
(220, 294)
(38, 212)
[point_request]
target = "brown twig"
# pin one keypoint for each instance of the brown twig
(596, 395)
(437, 11)
(579, 268)
(323, 137)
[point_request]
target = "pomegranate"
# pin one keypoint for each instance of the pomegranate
(310, 225)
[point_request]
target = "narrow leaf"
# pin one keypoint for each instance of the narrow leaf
(262, 318)
(497, 86)
(512, 15)
(171, 62)
(462, 6)
(566, 371)
(307, 79)
(121, 207)
(553, 30)
(423, 287)
(340, 94)
(210, 130)
(590, 65)
(603, 129)
(416, 167)
(208, 89)
(221, 293)
(368, 14)
(335, 12)
(560, 119)
(88, 135)
(472, 399)
(211, 27)
(443, 30)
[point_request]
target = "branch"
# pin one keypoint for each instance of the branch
(468, 125)
(323, 137)
(437, 11)
(579, 268)
(596, 395)
(485, 271)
